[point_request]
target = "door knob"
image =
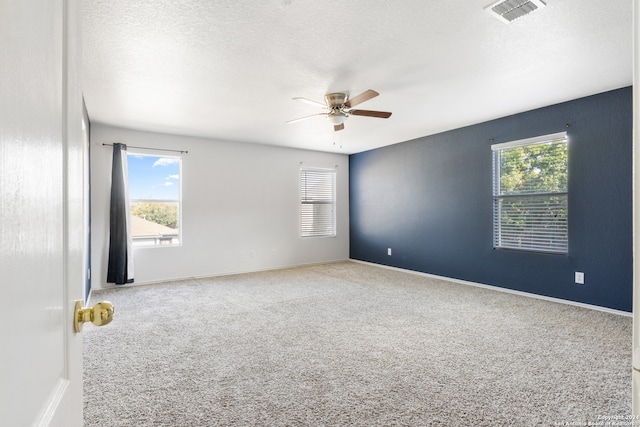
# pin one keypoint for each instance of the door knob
(100, 314)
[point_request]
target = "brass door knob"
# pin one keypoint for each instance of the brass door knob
(100, 314)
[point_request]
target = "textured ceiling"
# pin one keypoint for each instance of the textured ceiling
(228, 69)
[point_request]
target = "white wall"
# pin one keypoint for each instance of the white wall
(240, 208)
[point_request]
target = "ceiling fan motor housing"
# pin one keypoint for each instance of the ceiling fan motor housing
(335, 100)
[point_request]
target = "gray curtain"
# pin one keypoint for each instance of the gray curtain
(120, 267)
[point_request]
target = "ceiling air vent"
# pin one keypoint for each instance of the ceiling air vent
(508, 10)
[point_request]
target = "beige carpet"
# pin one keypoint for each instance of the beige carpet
(348, 344)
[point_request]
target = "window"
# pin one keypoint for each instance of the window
(317, 202)
(530, 194)
(154, 199)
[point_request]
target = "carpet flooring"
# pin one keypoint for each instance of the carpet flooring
(348, 344)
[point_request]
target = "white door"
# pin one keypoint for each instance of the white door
(41, 213)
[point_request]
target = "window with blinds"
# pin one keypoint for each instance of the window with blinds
(317, 202)
(530, 194)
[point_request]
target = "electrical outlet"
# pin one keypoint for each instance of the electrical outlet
(389, 251)
(579, 277)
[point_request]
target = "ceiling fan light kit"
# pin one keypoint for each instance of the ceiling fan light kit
(340, 108)
(337, 118)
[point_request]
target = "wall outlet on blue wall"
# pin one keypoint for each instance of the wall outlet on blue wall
(389, 251)
(579, 277)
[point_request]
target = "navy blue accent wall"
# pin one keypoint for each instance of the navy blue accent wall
(430, 201)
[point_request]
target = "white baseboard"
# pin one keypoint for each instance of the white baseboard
(433, 276)
(499, 289)
(205, 276)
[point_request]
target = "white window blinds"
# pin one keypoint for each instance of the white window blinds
(530, 194)
(317, 202)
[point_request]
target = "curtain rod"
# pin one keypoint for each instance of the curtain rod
(148, 148)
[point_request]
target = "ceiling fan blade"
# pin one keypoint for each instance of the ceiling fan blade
(338, 127)
(310, 101)
(364, 96)
(369, 113)
(305, 118)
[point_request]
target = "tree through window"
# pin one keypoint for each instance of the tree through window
(530, 190)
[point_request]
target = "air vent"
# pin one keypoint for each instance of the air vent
(509, 10)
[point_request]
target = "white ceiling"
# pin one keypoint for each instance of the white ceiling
(228, 69)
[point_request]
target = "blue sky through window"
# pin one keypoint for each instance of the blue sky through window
(153, 177)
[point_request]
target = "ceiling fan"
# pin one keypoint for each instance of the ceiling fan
(340, 107)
